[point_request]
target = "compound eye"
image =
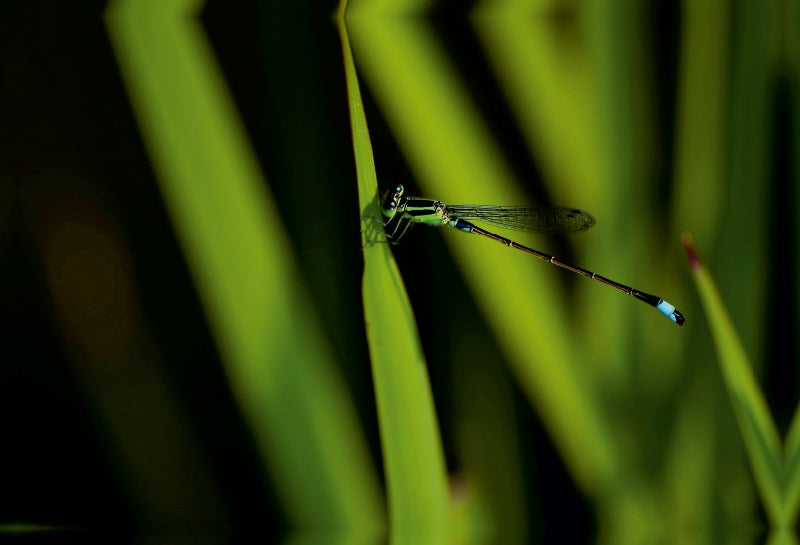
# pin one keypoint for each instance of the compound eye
(398, 190)
(389, 207)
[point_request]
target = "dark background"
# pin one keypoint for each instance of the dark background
(65, 115)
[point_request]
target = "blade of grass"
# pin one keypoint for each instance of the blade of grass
(783, 536)
(745, 224)
(791, 464)
(689, 462)
(756, 425)
(276, 359)
(701, 128)
(413, 456)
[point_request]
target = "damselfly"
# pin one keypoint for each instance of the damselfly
(402, 212)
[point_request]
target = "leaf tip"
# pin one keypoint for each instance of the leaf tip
(691, 253)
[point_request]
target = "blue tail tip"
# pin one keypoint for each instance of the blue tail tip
(670, 312)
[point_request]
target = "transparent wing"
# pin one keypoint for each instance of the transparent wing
(553, 220)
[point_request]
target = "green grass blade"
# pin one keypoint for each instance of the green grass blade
(412, 450)
(783, 536)
(278, 364)
(791, 467)
(702, 132)
(756, 425)
(745, 225)
(689, 462)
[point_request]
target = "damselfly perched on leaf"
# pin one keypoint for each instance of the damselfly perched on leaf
(402, 212)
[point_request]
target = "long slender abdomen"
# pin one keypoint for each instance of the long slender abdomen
(661, 305)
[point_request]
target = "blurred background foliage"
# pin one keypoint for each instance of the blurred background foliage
(184, 350)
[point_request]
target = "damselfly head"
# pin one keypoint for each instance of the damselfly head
(391, 201)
